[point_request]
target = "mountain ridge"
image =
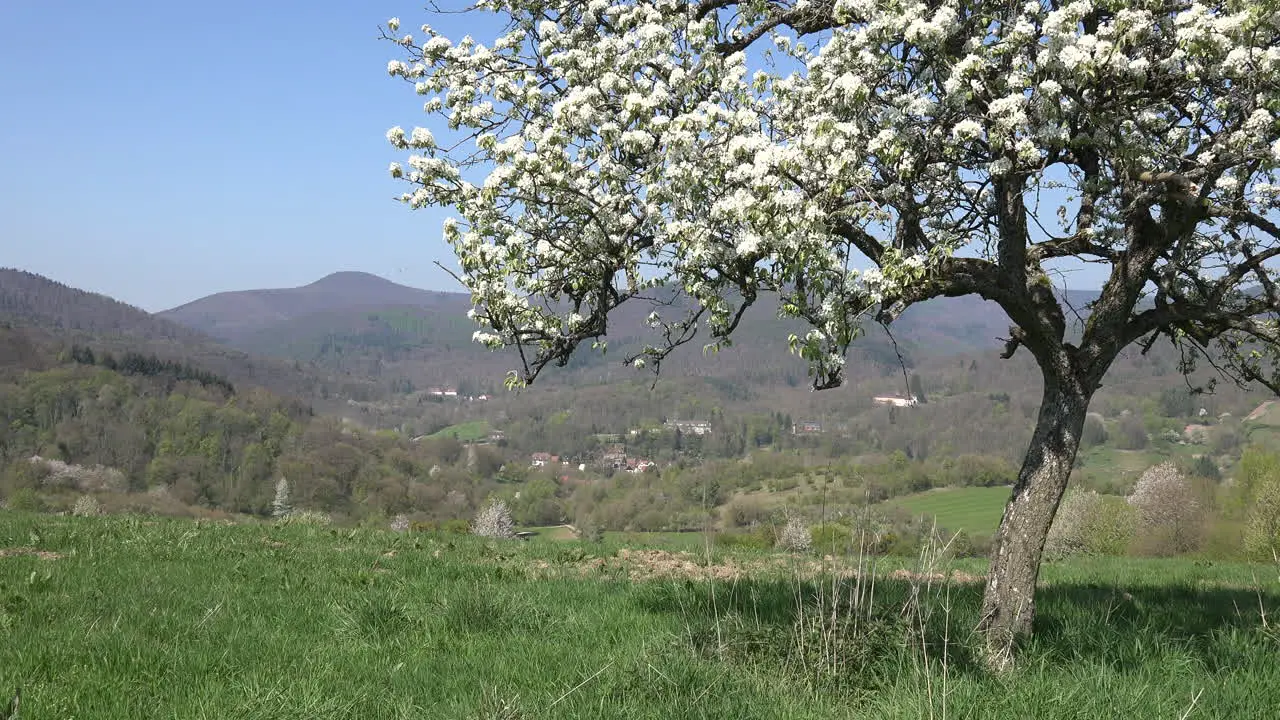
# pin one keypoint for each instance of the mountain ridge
(231, 315)
(46, 311)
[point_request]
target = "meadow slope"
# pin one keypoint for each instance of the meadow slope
(140, 618)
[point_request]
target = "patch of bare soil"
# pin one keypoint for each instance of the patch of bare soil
(23, 551)
(962, 578)
(667, 565)
(662, 565)
(1260, 410)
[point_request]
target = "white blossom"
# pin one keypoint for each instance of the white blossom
(586, 144)
(494, 520)
(967, 129)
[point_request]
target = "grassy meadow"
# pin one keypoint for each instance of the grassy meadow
(975, 510)
(122, 617)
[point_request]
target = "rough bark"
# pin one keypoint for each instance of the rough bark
(1008, 607)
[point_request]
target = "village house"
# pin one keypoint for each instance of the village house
(542, 459)
(614, 457)
(808, 427)
(636, 466)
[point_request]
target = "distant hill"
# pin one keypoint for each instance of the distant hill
(37, 301)
(363, 325)
(43, 312)
(340, 348)
(238, 315)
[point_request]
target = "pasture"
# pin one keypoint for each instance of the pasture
(975, 510)
(122, 617)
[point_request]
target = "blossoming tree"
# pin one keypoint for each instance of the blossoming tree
(848, 158)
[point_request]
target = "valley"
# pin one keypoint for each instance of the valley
(371, 400)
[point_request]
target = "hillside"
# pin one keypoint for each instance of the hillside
(137, 433)
(239, 315)
(47, 313)
(34, 300)
(360, 325)
(159, 408)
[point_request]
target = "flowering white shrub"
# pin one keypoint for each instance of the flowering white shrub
(494, 520)
(86, 506)
(795, 536)
(80, 477)
(280, 506)
(400, 523)
(1162, 496)
(1168, 509)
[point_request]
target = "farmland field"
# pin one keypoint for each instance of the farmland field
(975, 510)
(471, 431)
(148, 618)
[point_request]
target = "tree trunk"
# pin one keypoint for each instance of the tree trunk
(1008, 607)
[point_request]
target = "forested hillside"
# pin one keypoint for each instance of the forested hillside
(100, 400)
(66, 315)
(138, 431)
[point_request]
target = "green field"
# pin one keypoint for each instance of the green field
(466, 432)
(140, 618)
(975, 510)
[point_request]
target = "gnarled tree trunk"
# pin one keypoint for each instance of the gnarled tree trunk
(1008, 607)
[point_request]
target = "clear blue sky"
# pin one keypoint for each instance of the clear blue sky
(159, 152)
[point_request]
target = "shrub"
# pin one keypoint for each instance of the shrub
(972, 546)
(1095, 430)
(590, 530)
(1090, 524)
(1132, 434)
(21, 474)
(307, 517)
(62, 475)
(1262, 528)
(86, 506)
(1204, 466)
(456, 526)
(1168, 511)
(25, 499)
(1067, 533)
(747, 511)
(400, 523)
(494, 520)
(831, 538)
(795, 536)
(1110, 527)
(280, 506)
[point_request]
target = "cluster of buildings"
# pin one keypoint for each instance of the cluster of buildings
(614, 458)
